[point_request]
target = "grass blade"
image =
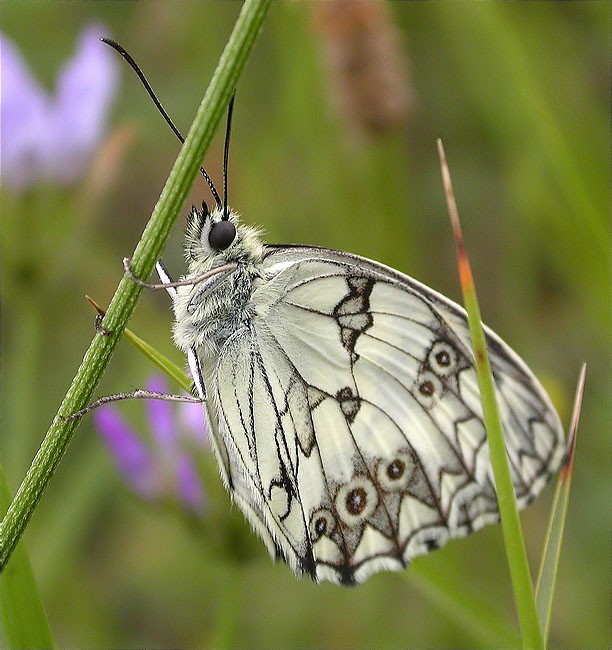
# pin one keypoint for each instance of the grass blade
(506, 500)
(547, 576)
(23, 619)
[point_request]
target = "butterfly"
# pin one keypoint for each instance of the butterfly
(344, 405)
(343, 400)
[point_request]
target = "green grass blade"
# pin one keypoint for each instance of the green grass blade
(506, 500)
(547, 576)
(23, 619)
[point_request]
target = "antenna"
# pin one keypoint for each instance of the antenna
(228, 128)
(121, 50)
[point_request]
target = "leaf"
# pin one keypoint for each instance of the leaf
(23, 619)
(160, 360)
(549, 565)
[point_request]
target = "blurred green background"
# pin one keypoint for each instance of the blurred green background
(520, 94)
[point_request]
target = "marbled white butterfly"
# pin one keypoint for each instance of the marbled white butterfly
(343, 400)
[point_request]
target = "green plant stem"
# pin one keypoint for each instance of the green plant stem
(506, 500)
(147, 251)
(549, 565)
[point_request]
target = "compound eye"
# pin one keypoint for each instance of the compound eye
(221, 235)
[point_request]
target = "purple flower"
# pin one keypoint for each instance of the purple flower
(52, 137)
(166, 467)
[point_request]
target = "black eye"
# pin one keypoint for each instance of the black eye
(221, 235)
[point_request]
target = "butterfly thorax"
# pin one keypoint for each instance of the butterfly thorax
(207, 313)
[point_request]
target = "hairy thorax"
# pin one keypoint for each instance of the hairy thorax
(206, 317)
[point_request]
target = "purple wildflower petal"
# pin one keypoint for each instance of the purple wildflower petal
(54, 137)
(194, 422)
(134, 461)
(164, 470)
(24, 108)
(189, 486)
(85, 89)
(161, 422)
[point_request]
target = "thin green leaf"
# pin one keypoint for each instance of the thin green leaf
(23, 619)
(506, 500)
(549, 565)
(160, 360)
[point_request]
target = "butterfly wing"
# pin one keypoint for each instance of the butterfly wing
(350, 411)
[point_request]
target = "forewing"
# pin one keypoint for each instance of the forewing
(256, 405)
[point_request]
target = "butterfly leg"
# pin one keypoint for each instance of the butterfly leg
(135, 394)
(127, 267)
(222, 271)
(100, 329)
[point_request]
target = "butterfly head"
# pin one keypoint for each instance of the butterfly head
(217, 236)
